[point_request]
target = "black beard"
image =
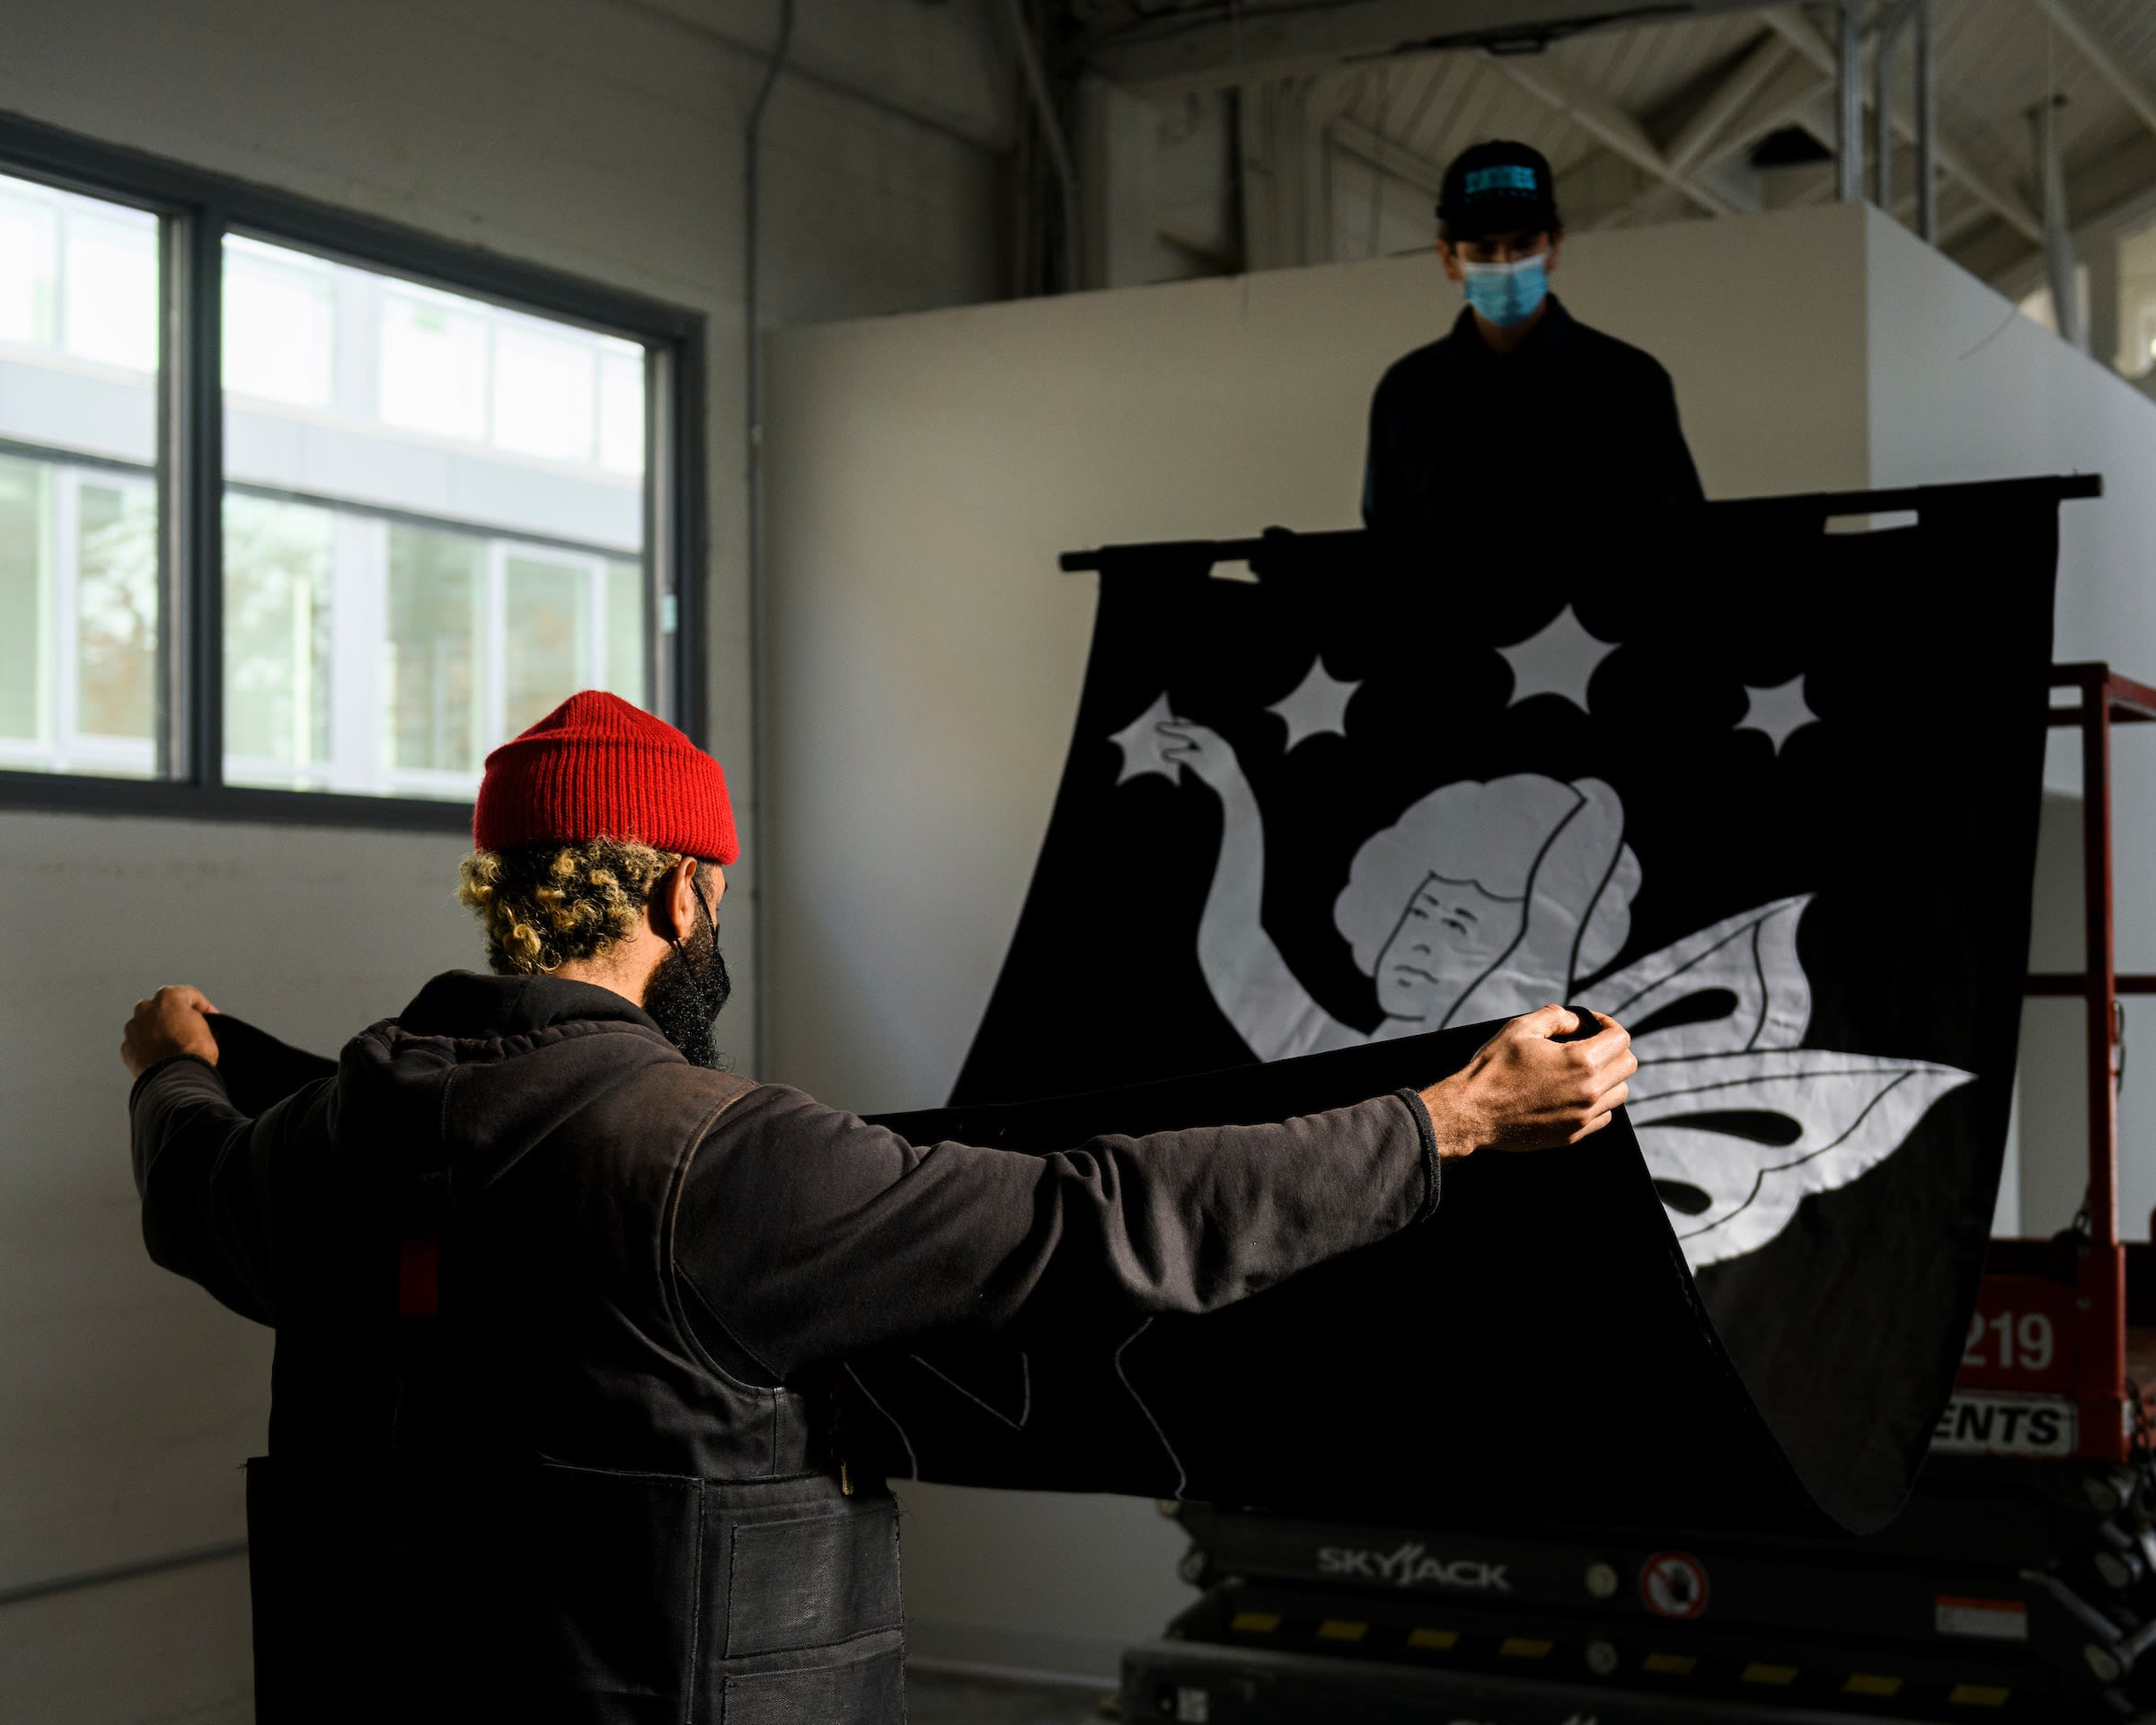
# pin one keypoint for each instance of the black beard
(685, 994)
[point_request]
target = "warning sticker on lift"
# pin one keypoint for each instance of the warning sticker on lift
(2005, 1425)
(1998, 1620)
(1673, 1584)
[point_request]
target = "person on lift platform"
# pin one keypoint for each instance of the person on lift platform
(1521, 405)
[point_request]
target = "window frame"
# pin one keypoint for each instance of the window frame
(199, 209)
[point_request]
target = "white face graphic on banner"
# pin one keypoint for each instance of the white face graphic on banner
(1486, 900)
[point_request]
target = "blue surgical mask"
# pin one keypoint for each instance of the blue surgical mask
(1506, 294)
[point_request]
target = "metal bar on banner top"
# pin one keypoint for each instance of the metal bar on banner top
(1193, 554)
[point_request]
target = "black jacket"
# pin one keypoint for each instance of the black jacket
(1572, 428)
(601, 1481)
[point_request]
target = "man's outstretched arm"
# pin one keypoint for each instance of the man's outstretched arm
(197, 1159)
(804, 1235)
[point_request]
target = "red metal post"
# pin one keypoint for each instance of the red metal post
(2100, 967)
(2103, 1272)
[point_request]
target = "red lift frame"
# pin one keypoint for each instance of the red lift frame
(2072, 1298)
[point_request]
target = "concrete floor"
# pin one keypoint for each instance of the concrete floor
(944, 1698)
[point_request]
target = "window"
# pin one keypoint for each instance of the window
(79, 501)
(279, 319)
(295, 503)
(435, 554)
(2136, 356)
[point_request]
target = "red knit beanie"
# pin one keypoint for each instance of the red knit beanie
(596, 767)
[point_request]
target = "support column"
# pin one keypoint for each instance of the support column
(1849, 106)
(2058, 236)
(1927, 129)
(2101, 259)
(1882, 117)
(1283, 190)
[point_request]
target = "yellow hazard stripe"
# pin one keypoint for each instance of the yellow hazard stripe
(1524, 1647)
(1337, 1629)
(1673, 1665)
(1255, 1622)
(1979, 1694)
(1433, 1637)
(1870, 1683)
(1775, 1674)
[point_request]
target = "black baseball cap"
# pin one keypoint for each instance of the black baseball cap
(1499, 187)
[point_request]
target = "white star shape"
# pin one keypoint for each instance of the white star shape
(1778, 711)
(1141, 742)
(1559, 660)
(1318, 707)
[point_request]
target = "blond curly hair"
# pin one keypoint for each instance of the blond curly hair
(542, 905)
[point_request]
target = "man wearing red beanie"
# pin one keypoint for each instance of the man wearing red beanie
(561, 1306)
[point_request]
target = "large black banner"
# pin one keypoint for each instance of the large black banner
(1766, 794)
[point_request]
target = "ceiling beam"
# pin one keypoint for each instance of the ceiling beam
(2005, 202)
(2100, 58)
(1367, 145)
(1609, 127)
(1778, 103)
(1255, 41)
(1971, 216)
(1708, 121)
(2010, 207)
(2109, 195)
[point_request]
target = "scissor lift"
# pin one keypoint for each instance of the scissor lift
(2058, 1329)
(2020, 1582)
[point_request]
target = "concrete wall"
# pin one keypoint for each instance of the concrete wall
(599, 136)
(925, 472)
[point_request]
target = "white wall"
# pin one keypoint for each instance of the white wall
(1961, 387)
(130, 1395)
(926, 470)
(598, 136)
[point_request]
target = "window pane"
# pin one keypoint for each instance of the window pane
(80, 580)
(111, 293)
(627, 633)
(2137, 355)
(434, 530)
(545, 659)
(434, 365)
(277, 635)
(622, 408)
(116, 607)
(25, 586)
(544, 393)
(436, 625)
(279, 333)
(30, 268)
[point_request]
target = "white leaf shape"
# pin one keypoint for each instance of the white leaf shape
(1752, 956)
(1739, 1139)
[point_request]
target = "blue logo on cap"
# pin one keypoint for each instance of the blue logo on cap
(1481, 181)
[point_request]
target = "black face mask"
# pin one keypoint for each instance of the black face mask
(689, 988)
